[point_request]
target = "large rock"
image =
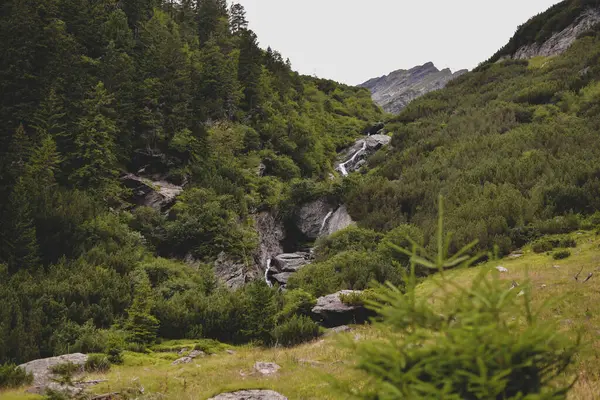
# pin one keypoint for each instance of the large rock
(158, 194)
(291, 262)
(234, 272)
(312, 218)
(333, 312)
(395, 91)
(41, 369)
(339, 220)
(250, 395)
(561, 41)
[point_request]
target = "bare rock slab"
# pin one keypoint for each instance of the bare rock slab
(250, 395)
(333, 312)
(42, 369)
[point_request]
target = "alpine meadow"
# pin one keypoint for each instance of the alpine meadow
(184, 216)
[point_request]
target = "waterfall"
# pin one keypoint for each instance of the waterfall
(267, 273)
(329, 214)
(342, 167)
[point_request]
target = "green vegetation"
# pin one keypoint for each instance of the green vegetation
(176, 91)
(97, 363)
(11, 376)
(483, 342)
(513, 149)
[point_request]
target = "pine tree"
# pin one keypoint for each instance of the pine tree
(94, 161)
(19, 247)
(212, 19)
(250, 70)
(141, 325)
(237, 18)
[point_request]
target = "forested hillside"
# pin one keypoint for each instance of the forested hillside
(181, 91)
(513, 146)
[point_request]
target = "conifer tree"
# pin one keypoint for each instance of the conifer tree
(19, 246)
(250, 70)
(141, 325)
(212, 19)
(237, 18)
(94, 161)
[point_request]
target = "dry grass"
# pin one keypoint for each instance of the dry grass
(307, 369)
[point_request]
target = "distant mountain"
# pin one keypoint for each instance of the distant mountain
(393, 92)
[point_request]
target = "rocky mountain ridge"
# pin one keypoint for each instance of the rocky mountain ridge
(393, 92)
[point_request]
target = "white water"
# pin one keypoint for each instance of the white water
(267, 273)
(342, 166)
(329, 214)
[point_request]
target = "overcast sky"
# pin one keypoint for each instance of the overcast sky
(351, 41)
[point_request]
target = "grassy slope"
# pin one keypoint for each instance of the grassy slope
(574, 306)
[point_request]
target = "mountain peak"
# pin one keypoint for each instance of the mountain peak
(396, 90)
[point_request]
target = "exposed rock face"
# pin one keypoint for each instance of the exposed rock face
(158, 194)
(339, 220)
(333, 312)
(270, 235)
(233, 272)
(354, 157)
(561, 41)
(311, 218)
(250, 395)
(395, 91)
(291, 262)
(41, 370)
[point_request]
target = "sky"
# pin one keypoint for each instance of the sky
(351, 41)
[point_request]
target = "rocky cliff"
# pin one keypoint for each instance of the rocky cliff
(562, 40)
(393, 92)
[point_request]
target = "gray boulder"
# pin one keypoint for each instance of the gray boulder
(157, 194)
(291, 262)
(250, 395)
(332, 312)
(41, 369)
(282, 278)
(266, 368)
(339, 220)
(182, 360)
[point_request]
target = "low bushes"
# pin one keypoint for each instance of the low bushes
(296, 330)
(97, 363)
(549, 244)
(561, 255)
(12, 376)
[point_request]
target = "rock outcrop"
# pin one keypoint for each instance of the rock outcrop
(395, 91)
(312, 217)
(339, 220)
(42, 371)
(353, 158)
(157, 194)
(560, 41)
(233, 272)
(250, 395)
(332, 312)
(285, 265)
(271, 233)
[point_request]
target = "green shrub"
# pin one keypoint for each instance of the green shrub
(542, 246)
(567, 242)
(296, 330)
(210, 346)
(561, 255)
(483, 341)
(296, 302)
(12, 376)
(97, 363)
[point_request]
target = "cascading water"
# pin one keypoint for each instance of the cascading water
(267, 273)
(342, 167)
(329, 214)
